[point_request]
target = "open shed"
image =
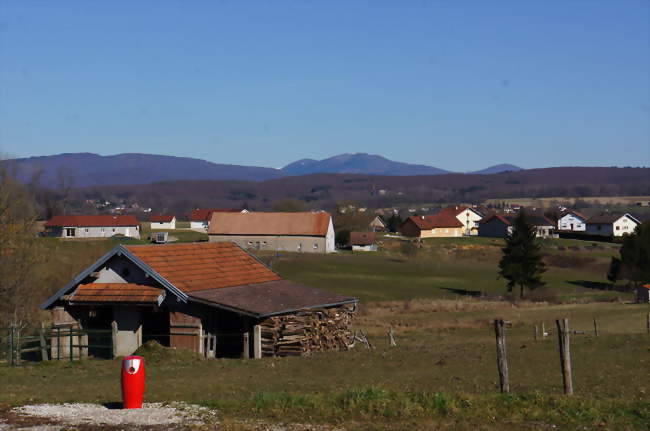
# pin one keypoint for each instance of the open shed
(213, 298)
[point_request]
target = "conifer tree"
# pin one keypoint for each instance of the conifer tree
(521, 263)
(635, 255)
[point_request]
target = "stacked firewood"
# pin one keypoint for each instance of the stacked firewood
(306, 331)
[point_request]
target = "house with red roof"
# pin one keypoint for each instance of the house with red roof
(572, 221)
(200, 218)
(212, 298)
(92, 226)
(468, 216)
(162, 221)
(432, 226)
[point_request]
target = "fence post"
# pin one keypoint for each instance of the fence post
(391, 338)
(114, 338)
(565, 354)
(595, 327)
(647, 323)
(58, 343)
(257, 342)
(246, 352)
(44, 356)
(70, 342)
(543, 330)
(502, 361)
(536, 332)
(11, 344)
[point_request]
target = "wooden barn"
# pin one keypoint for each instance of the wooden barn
(213, 298)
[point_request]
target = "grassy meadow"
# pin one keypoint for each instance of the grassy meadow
(440, 301)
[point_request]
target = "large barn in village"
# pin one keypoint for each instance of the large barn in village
(213, 298)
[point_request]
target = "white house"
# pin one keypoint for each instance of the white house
(572, 221)
(468, 216)
(363, 241)
(612, 224)
(93, 226)
(200, 218)
(163, 222)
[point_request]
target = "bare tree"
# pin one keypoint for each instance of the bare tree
(19, 249)
(65, 178)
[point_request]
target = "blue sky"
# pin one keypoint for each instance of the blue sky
(455, 84)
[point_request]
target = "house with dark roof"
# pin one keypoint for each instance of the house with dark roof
(302, 232)
(501, 226)
(572, 221)
(363, 241)
(612, 224)
(432, 226)
(92, 226)
(200, 218)
(468, 216)
(162, 221)
(207, 297)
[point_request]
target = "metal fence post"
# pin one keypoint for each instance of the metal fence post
(70, 341)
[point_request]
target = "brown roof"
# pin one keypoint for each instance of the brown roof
(161, 218)
(274, 297)
(261, 223)
(92, 220)
(575, 213)
(435, 221)
(362, 238)
(203, 266)
(116, 292)
(206, 214)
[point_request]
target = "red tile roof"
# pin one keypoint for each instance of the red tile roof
(362, 238)
(261, 223)
(116, 292)
(203, 266)
(206, 214)
(161, 218)
(435, 221)
(92, 221)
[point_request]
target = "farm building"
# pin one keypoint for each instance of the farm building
(200, 218)
(468, 216)
(303, 232)
(500, 226)
(432, 226)
(213, 298)
(611, 225)
(163, 222)
(377, 224)
(363, 241)
(572, 221)
(92, 226)
(643, 293)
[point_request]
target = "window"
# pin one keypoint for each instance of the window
(618, 228)
(86, 230)
(315, 246)
(102, 230)
(113, 229)
(70, 231)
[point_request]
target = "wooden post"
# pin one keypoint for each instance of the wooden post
(71, 343)
(543, 330)
(595, 327)
(11, 345)
(391, 338)
(114, 338)
(18, 345)
(257, 342)
(502, 361)
(83, 341)
(41, 334)
(647, 323)
(565, 354)
(246, 353)
(536, 332)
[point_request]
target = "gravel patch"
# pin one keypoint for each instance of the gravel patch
(96, 414)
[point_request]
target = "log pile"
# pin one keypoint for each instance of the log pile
(306, 331)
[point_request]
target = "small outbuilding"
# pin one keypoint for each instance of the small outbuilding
(162, 222)
(363, 241)
(213, 298)
(200, 218)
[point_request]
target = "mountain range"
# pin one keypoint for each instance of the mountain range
(88, 169)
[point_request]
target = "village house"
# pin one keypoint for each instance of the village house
(501, 226)
(611, 225)
(572, 221)
(363, 241)
(213, 298)
(468, 216)
(92, 226)
(200, 218)
(432, 226)
(377, 224)
(163, 222)
(303, 232)
(643, 293)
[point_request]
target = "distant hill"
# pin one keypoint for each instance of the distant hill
(358, 163)
(497, 169)
(87, 169)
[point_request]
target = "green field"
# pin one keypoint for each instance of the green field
(442, 374)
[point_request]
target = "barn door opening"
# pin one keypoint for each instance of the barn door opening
(155, 325)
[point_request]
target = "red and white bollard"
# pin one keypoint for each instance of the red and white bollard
(132, 382)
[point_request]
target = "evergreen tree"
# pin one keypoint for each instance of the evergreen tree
(635, 255)
(522, 263)
(394, 221)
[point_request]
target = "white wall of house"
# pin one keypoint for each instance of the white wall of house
(161, 225)
(199, 224)
(97, 232)
(624, 225)
(329, 238)
(572, 222)
(470, 220)
(372, 247)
